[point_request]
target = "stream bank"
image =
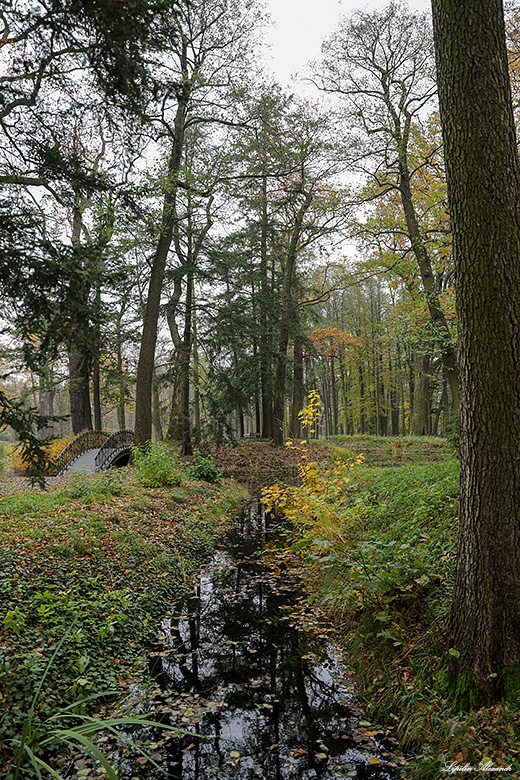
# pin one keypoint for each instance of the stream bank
(259, 696)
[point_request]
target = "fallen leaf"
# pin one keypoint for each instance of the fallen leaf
(373, 760)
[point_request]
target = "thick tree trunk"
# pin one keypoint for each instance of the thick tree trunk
(483, 179)
(96, 394)
(156, 409)
(185, 427)
(79, 393)
(121, 406)
(96, 372)
(196, 381)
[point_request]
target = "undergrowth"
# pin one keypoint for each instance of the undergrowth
(107, 556)
(378, 547)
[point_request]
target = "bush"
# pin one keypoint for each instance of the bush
(156, 465)
(204, 469)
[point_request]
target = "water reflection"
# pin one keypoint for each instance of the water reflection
(260, 698)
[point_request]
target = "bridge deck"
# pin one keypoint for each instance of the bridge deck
(84, 463)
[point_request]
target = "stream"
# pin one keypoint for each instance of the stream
(258, 696)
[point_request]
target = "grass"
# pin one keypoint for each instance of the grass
(379, 556)
(107, 555)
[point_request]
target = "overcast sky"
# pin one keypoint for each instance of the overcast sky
(299, 26)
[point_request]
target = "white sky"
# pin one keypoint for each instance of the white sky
(301, 25)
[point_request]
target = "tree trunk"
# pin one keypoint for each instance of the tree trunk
(121, 406)
(297, 399)
(145, 366)
(196, 380)
(78, 352)
(419, 424)
(362, 415)
(96, 394)
(292, 254)
(483, 178)
(156, 408)
(334, 396)
(344, 394)
(437, 316)
(266, 381)
(79, 393)
(185, 427)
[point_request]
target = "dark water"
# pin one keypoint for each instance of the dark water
(259, 697)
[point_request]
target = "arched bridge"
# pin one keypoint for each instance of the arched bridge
(93, 451)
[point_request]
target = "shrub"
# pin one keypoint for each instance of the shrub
(203, 468)
(156, 465)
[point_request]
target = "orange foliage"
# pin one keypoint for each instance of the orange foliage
(333, 341)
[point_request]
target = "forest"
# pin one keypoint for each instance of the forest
(189, 250)
(214, 265)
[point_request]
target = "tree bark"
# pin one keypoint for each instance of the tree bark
(419, 423)
(79, 354)
(266, 381)
(145, 366)
(483, 178)
(297, 397)
(437, 316)
(79, 394)
(292, 254)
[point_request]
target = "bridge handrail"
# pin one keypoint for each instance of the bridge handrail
(120, 440)
(86, 440)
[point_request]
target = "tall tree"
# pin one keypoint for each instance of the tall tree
(483, 177)
(382, 66)
(213, 38)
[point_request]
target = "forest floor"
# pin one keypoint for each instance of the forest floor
(87, 568)
(102, 558)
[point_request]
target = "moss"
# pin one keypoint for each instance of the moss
(511, 684)
(465, 696)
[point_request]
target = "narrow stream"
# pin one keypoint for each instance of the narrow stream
(258, 697)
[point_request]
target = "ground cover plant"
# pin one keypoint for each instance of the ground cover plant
(257, 463)
(86, 570)
(377, 536)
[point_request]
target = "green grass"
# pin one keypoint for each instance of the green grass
(394, 451)
(384, 570)
(110, 556)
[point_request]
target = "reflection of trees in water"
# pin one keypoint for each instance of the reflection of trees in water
(229, 642)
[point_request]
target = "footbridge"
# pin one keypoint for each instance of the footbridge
(93, 451)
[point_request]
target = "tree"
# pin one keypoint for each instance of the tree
(212, 41)
(43, 47)
(381, 64)
(483, 178)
